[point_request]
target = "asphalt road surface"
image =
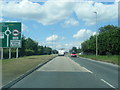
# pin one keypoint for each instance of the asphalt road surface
(67, 72)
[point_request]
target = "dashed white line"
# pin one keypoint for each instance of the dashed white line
(107, 83)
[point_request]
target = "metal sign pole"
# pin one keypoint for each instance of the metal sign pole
(1, 53)
(17, 53)
(9, 53)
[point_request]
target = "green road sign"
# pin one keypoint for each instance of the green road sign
(10, 34)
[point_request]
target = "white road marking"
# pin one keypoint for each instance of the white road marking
(60, 71)
(81, 66)
(107, 83)
(63, 64)
(87, 70)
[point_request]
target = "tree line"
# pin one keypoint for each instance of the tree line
(75, 49)
(108, 41)
(30, 47)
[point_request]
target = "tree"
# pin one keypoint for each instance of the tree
(31, 45)
(47, 50)
(107, 28)
(79, 50)
(40, 50)
(108, 41)
(22, 50)
(74, 49)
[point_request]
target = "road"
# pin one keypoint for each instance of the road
(67, 72)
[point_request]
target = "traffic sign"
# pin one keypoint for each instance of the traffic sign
(10, 35)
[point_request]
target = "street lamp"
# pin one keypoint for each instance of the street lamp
(96, 36)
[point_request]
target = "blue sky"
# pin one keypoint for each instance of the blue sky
(60, 24)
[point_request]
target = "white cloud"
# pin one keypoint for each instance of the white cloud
(94, 33)
(58, 45)
(68, 46)
(53, 12)
(85, 10)
(83, 34)
(71, 22)
(24, 27)
(54, 38)
(1, 19)
(49, 13)
(10, 21)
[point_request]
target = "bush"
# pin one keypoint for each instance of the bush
(29, 52)
(6, 53)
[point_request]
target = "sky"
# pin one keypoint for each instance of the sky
(57, 23)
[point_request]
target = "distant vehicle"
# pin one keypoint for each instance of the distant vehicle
(73, 54)
(80, 53)
(61, 52)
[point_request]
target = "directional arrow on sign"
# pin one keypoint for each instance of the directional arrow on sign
(7, 33)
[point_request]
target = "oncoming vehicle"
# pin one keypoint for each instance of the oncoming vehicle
(73, 54)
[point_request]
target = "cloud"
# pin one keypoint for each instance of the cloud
(53, 12)
(1, 19)
(49, 13)
(84, 11)
(71, 22)
(83, 34)
(54, 38)
(59, 45)
(67, 46)
(24, 27)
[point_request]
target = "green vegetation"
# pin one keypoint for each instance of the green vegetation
(108, 45)
(75, 50)
(108, 42)
(29, 48)
(12, 68)
(105, 58)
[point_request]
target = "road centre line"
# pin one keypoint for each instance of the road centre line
(107, 83)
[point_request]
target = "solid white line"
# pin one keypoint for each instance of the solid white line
(87, 70)
(107, 83)
(80, 66)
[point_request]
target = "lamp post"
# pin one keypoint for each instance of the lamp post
(96, 35)
(52, 40)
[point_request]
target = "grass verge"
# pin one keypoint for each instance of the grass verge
(12, 68)
(114, 59)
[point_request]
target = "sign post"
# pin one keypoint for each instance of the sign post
(9, 53)
(10, 36)
(1, 53)
(17, 53)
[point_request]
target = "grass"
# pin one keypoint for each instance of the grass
(115, 59)
(12, 68)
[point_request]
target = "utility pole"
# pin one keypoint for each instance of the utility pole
(96, 36)
(52, 39)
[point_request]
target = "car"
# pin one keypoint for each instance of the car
(73, 54)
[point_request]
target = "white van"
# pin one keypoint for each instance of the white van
(61, 52)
